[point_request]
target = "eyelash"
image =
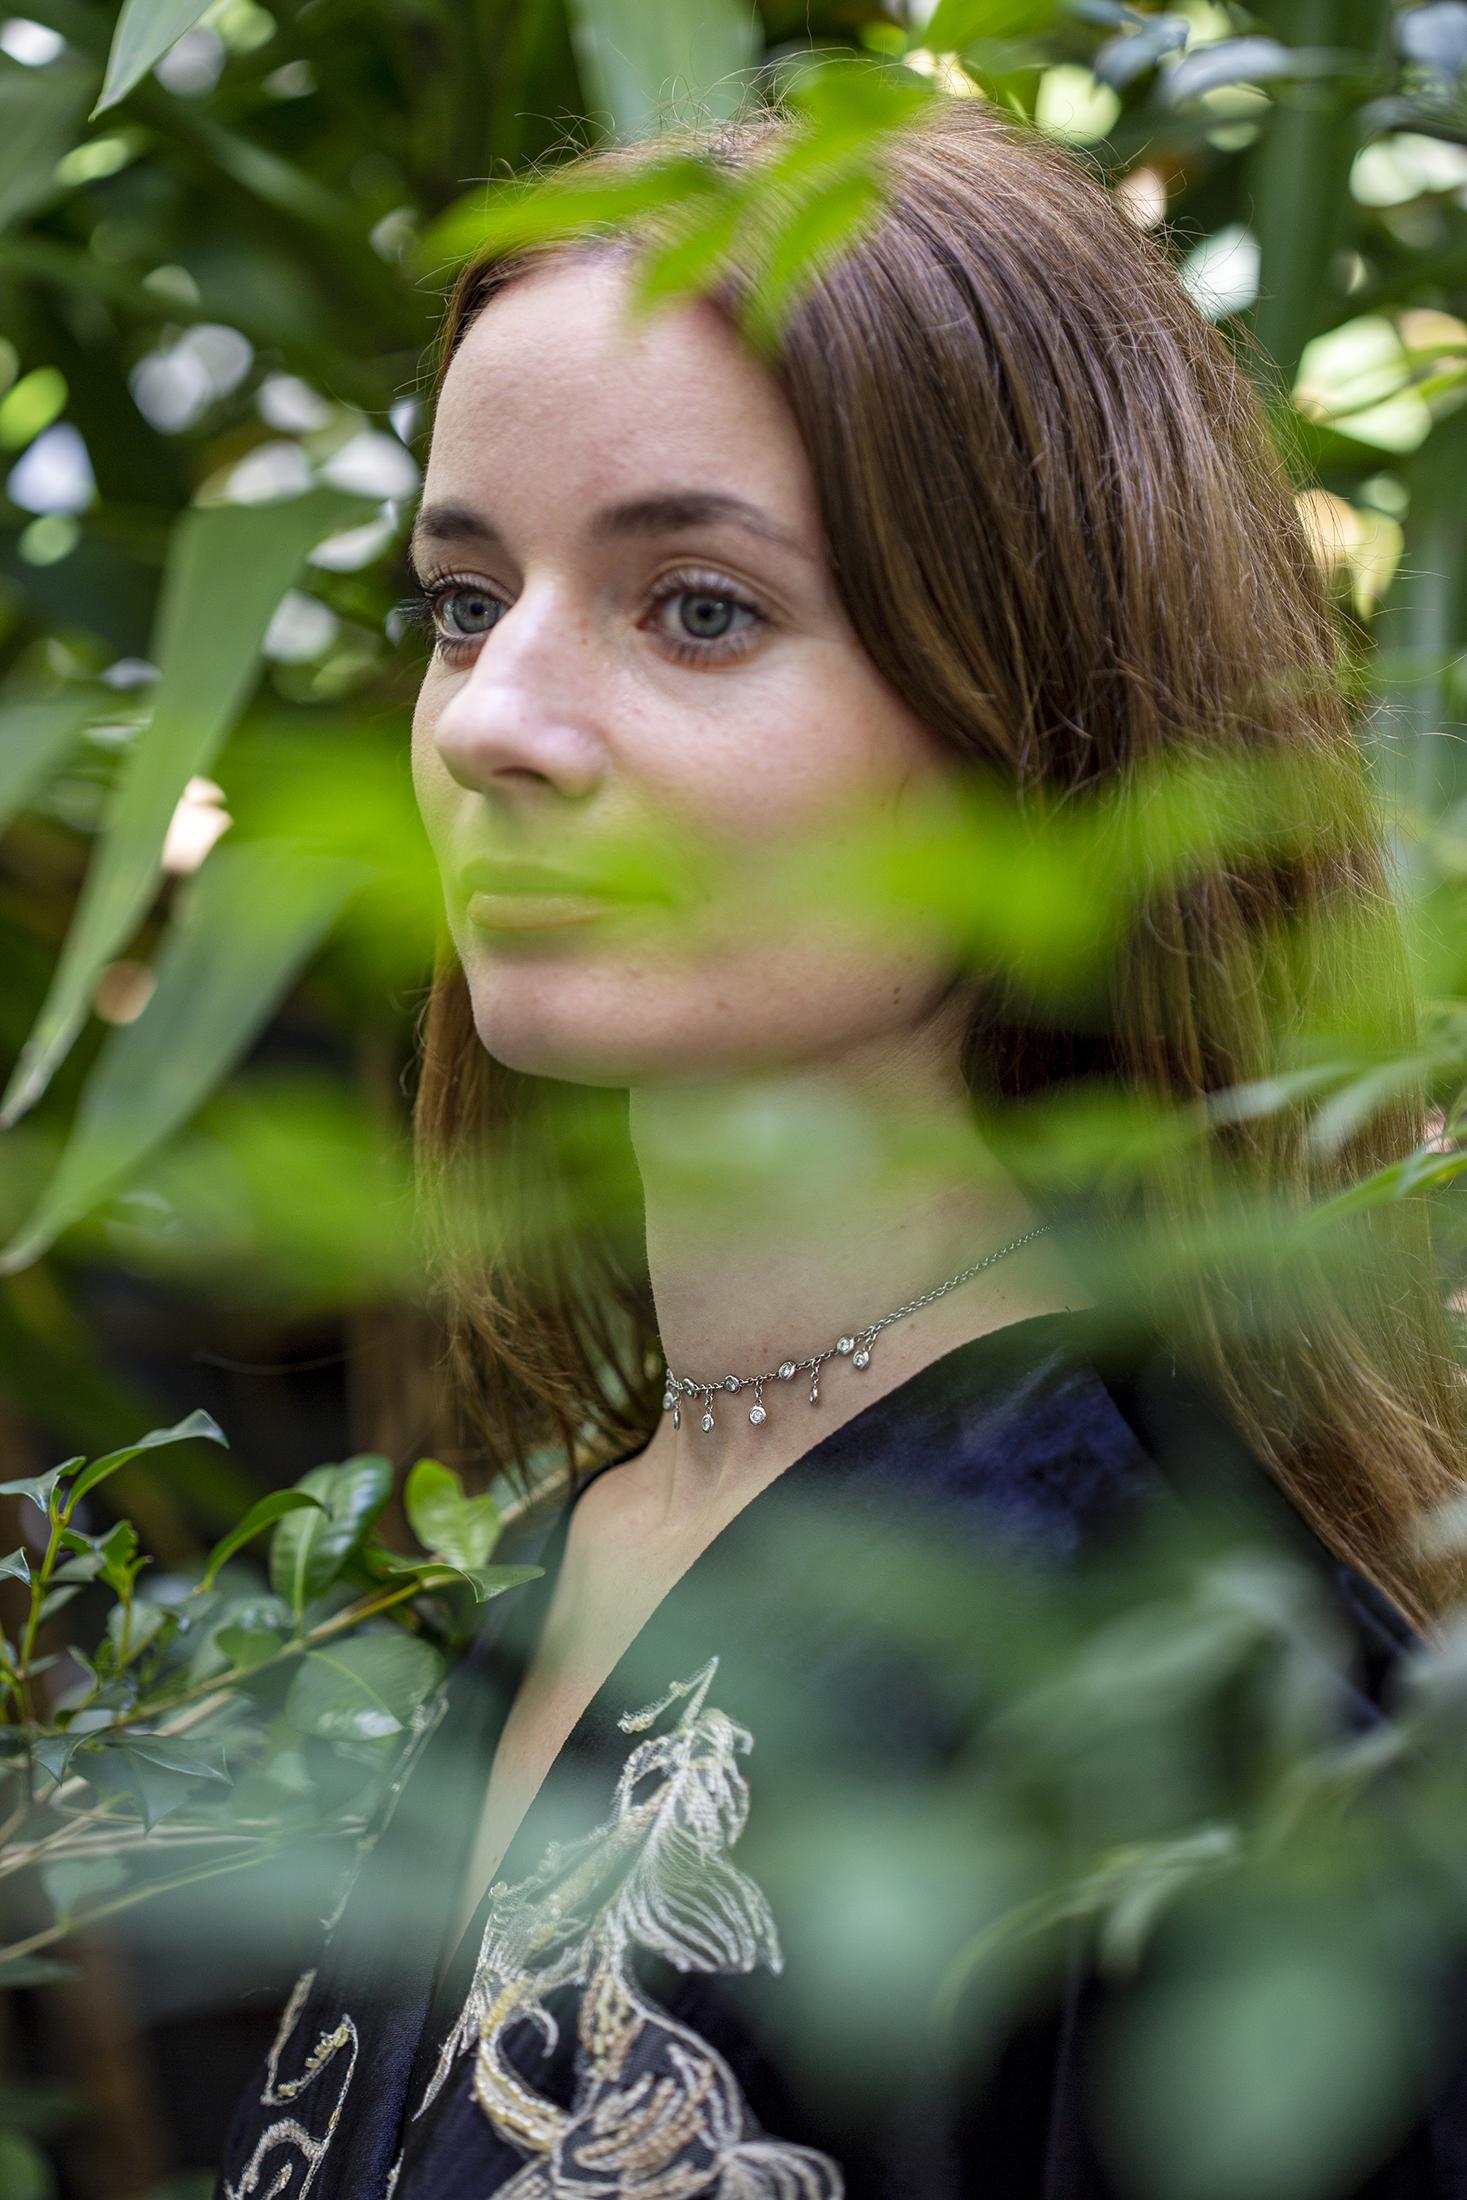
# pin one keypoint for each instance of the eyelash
(421, 610)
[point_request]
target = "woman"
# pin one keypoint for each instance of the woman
(997, 511)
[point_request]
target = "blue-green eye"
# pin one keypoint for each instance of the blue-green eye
(705, 624)
(458, 613)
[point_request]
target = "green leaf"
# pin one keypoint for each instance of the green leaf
(832, 219)
(1122, 59)
(254, 915)
(25, 2174)
(120, 1562)
(309, 1548)
(36, 736)
(485, 1581)
(639, 64)
(54, 1752)
(197, 1423)
(199, 1760)
(525, 209)
(38, 1487)
(261, 1515)
(956, 24)
(155, 1791)
(463, 1530)
(40, 115)
(15, 1568)
(145, 31)
(363, 1689)
(229, 565)
(247, 1647)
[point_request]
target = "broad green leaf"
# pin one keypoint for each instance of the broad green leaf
(40, 117)
(246, 1647)
(485, 1581)
(362, 1689)
(1247, 61)
(463, 1530)
(198, 1423)
(255, 913)
(959, 23)
(54, 1752)
(155, 1791)
(1121, 60)
(229, 565)
(145, 31)
(261, 1515)
(25, 2173)
(641, 64)
(200, 1760)
(310, 1548)
(39, 1487)
(35, 737)
(16, 1567)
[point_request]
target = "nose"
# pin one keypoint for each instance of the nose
(515, 719)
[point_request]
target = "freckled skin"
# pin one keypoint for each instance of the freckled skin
(568, 720)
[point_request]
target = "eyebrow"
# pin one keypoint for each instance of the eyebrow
(666, 512)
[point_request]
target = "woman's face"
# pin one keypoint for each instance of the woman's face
(640, 645)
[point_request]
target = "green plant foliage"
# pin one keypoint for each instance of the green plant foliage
(192, 1707)
(309, 1550)
(463, 1530)
(226, 235)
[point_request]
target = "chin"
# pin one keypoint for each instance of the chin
(548, 1023)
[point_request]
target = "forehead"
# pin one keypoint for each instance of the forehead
(552, 383)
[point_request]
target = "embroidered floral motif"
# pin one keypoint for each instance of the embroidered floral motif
(656, 2111)
(303, 2153)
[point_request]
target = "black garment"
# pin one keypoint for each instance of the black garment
(651, 2002)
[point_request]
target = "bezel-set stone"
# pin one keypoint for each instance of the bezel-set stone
(845, 1344)
(756, 1414)
(730, 1382)
(706, 1422)
(861, 1359)
(786, 1371)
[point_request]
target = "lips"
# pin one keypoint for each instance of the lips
(489, 875)
(501, 896)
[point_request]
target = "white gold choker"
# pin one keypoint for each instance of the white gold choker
(856, 1348)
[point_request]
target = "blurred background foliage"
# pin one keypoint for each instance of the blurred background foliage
(226, 235)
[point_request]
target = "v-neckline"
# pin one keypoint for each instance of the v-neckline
(842, 1447)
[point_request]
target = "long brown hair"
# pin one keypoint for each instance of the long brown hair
(1114, 572)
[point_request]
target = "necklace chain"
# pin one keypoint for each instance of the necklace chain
(856, 1348)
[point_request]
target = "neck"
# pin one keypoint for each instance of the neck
(787, 1208)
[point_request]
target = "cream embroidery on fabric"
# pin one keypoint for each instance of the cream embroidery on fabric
(657, 2113)
(306, 2153)
(303, 2152)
